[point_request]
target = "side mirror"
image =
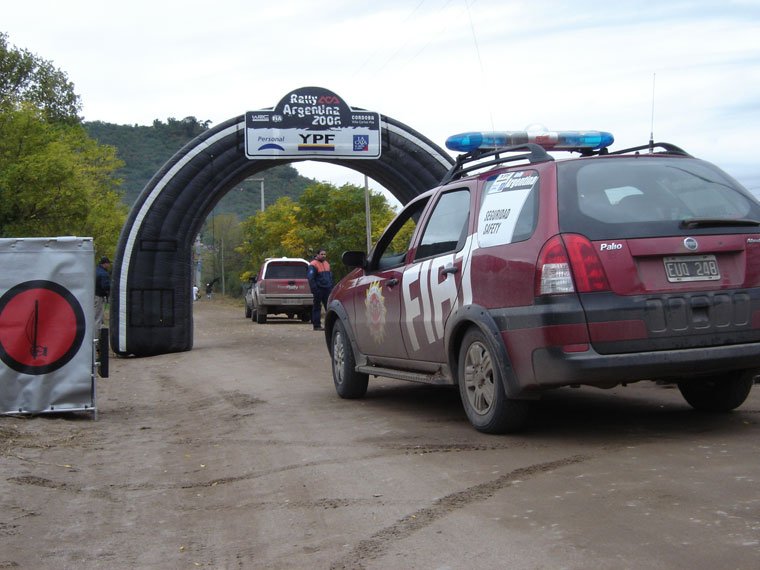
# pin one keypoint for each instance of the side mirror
(354, 258)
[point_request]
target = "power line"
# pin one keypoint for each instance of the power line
(377, 51)
(480, 60)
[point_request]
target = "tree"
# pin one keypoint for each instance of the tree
(221, 259)
(324, 217)
(55, 180)
(27, 77)
(334, 219)
(271, 234)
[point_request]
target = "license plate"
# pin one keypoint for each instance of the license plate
(691, 268)
(291, 301)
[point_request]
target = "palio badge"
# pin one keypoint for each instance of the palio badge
(375, 303)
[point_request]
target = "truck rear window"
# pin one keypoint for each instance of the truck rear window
(286, 271)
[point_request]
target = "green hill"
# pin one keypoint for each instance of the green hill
(145, 149)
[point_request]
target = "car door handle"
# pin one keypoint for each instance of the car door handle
(450, 269)
(392, 282)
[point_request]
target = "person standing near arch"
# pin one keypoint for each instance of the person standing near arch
(102, 291)
(321, 283)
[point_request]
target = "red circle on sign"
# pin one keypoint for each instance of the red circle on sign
(41, 327)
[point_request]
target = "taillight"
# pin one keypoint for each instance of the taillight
(569, 264)
(587, 267)
(553, 269)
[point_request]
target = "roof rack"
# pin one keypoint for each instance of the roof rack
(534, 154)
(667, 147)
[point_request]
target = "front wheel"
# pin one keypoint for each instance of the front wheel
(720, 393)
(482, 390)
(247, 311)
(348, 382)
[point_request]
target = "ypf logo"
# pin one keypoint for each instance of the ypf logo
(328, 100)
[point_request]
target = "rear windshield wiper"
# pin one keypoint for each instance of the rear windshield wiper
(717, 222)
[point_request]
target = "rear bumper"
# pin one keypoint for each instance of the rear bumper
(554, 368)
(549, 344)
(285, 303)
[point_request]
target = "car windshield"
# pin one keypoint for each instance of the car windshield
(286, 271)
(648, 196)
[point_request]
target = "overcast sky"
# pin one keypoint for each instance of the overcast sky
(439, 66)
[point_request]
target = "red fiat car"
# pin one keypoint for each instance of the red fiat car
(521, 273)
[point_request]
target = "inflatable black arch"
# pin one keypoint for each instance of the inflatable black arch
(151, 299)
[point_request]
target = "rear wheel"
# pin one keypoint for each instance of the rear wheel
(348, 382)
(261, 315)
(720, 393)
(482, 390)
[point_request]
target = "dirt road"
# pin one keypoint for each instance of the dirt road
(238, 454)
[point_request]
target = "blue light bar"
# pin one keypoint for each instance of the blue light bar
(549, 140)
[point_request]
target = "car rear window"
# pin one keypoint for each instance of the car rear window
(645, 196)
(286, 271)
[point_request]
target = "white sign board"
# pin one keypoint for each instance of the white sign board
(47, 291)
(309, 123)
(502, 206)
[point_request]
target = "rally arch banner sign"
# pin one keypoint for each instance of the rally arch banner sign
(312, 123)
(47, 289)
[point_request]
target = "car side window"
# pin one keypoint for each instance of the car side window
(393, 245)
(447, 227)
(509, 208)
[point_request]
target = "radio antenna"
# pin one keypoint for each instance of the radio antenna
(651, 128)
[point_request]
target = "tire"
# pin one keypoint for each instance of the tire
(721, 393)
(261, 315)
(254, 315)
(349, 383)
(103, 353)
(247, 311)
(481, 388)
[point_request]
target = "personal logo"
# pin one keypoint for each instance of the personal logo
(691, 244)
(375, 304)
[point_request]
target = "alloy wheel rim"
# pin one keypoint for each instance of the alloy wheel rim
(479, 378)
(338, 357)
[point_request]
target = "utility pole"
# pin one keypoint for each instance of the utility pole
(222, 242)
(366, 213)
(262, 190)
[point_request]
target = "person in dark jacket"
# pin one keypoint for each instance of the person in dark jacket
(321, 283)
(102, 291)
